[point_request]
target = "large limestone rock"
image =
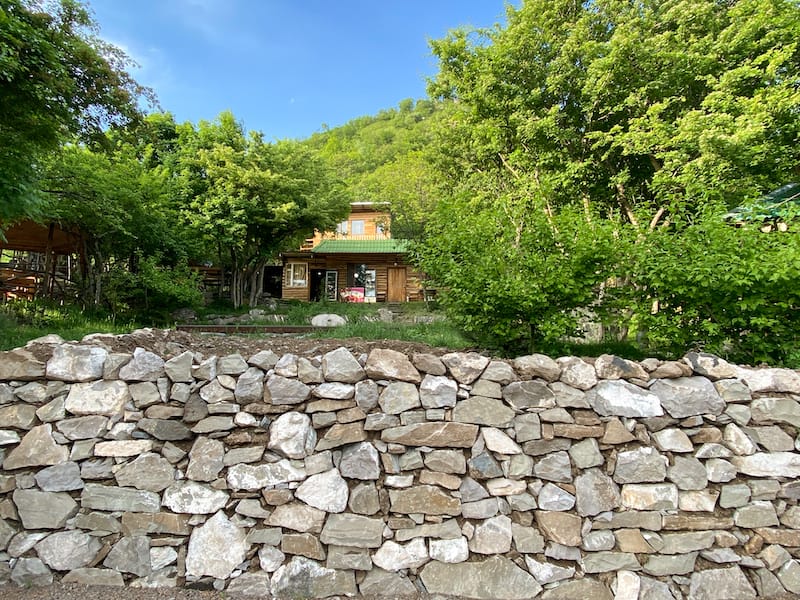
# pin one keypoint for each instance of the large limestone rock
(76, 363)
(282, 390)
(688, 396)
(297, 517)
(424, 499)
(179, 368)
(149, 472)
(384, 583)
(194, 498)
(493, 536)
(392, 556)
(623, 399)
(581, 588)
(130, 555)
(720, 584)
(390, 364)
(326, 491)
(609, 366)
(256, 477)
(360, 461)
(595, 492)
(341, 365)
(44, 510)
(111, 498)
(398, 397)
(216, 548)
(770, 380)
(537, 365)
(710, 366)
(37, 448)
(494, 578)
(342, 529)
(780, 410)
(305, 578)
(577, 373)
(465, 367)
(523, 395)
(20, 365)
(438, 392)
(764, 464)
(640, 465)
(250, 386)
(292, 435)
(144, 366)
(63, 477)
(483, 411)
(206, 459)
(98, 398)
(560, 527)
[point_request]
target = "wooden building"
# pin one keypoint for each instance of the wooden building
(359, 262)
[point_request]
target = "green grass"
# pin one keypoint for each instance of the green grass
(438, 333)
(21, 322)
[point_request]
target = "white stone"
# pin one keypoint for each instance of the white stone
(628, 584)
(216, 548)
(194, 498)
(97, 398)
(292, 435)
(769, 464)
(622, 399)
(499, 442)
(450, 551)
(493, 536)
(392, 556)
(256, 477)
(76, 363)
(326, 491)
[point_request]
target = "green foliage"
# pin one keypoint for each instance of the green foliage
(56, 80)
(731, 291)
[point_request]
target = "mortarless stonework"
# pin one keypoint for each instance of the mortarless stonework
(393, 475)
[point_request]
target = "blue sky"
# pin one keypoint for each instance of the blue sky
(285, 67)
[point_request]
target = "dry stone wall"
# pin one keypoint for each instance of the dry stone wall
(396, 475)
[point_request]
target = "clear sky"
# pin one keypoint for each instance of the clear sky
(285, 67)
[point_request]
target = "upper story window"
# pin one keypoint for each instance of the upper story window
(341, 228)
(357, 227)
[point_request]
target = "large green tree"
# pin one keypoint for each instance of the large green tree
(641, 112)
(57, 80)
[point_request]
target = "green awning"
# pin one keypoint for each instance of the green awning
(361, 247)
(778, 204)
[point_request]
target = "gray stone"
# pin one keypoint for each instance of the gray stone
(492, 536)
(109, 498)
(63, 477)
(465, 367)
(480, 509)
(685, 542)
(250, 386)
(214, 392)
(305, 578)
(680, 564)
(641, 465)
(789, 576)
(292, 435)
(770, 380)
(773, 464)
(366, 395)
(144, 366)
(734, 495)
(66, 550)
(264, 360)
(18, 416)
(450, 551)
(216, 548)
(334, 391)
(383, 583)
(554, 467)
(494, 578)
(537, 365)
(560, 527)
(710, 366)
(568, 397)
(688, 473)
(524, 395)
(552, 497)
(20, 365)
(297, 517)
(586, 454)
(341, 434)
(499, 442)
(281, 390)
(30, 572)
(390, 364)
(688, 396)
(364, 499)
(500, 372)
(595, 493)
(94, 577)
(437, 392)
(546, 572)
(772, 438)
(232, 364)
(52, 411)
(144, 394)
(603, 562)
(483, 411)
(308, 372)
(165, 429)
(760, 513)
(672, 440)
(577, 373)
(342, 529)
(779, 410)
(270, 559)
(392, 556)
(361, 461)
(44, 510)
(97, 398)
(424, 499)
(194, 498)
(609, 366)
(76, 363)
(179, 368)
(326, 491)
(623, 399)
(341, 365)
(656, 496)
(719, 584)
(149, 472)
(437, 435)
(206, 459)
(581, 588)
(130, 555)
(399, 397)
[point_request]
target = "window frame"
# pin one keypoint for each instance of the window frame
(294, 270)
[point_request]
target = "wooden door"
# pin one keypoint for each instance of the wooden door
(397, 285)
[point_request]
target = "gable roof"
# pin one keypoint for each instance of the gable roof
(391, 246)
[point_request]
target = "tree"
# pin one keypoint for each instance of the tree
(251, 199)
(57, 79)
(647, 111)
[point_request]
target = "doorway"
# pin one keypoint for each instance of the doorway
(397, 285)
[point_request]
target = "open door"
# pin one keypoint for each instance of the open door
(397, 285)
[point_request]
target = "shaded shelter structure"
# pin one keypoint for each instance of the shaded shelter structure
(38, 260)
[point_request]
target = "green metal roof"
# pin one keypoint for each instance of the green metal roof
(361, 247)
(778, 204)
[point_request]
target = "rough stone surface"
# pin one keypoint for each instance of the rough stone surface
(326, 491)
(623, 399)
(717, 584)
(67, 550)
(216, 548)
(494, 578)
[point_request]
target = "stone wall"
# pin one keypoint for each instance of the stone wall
(390, 474)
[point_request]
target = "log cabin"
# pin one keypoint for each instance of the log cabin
(359, 262)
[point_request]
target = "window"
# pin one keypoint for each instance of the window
(296, 275)
(341, 228)
(357, 227)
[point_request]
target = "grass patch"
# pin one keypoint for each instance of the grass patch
(21, 322)
(437, 334)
